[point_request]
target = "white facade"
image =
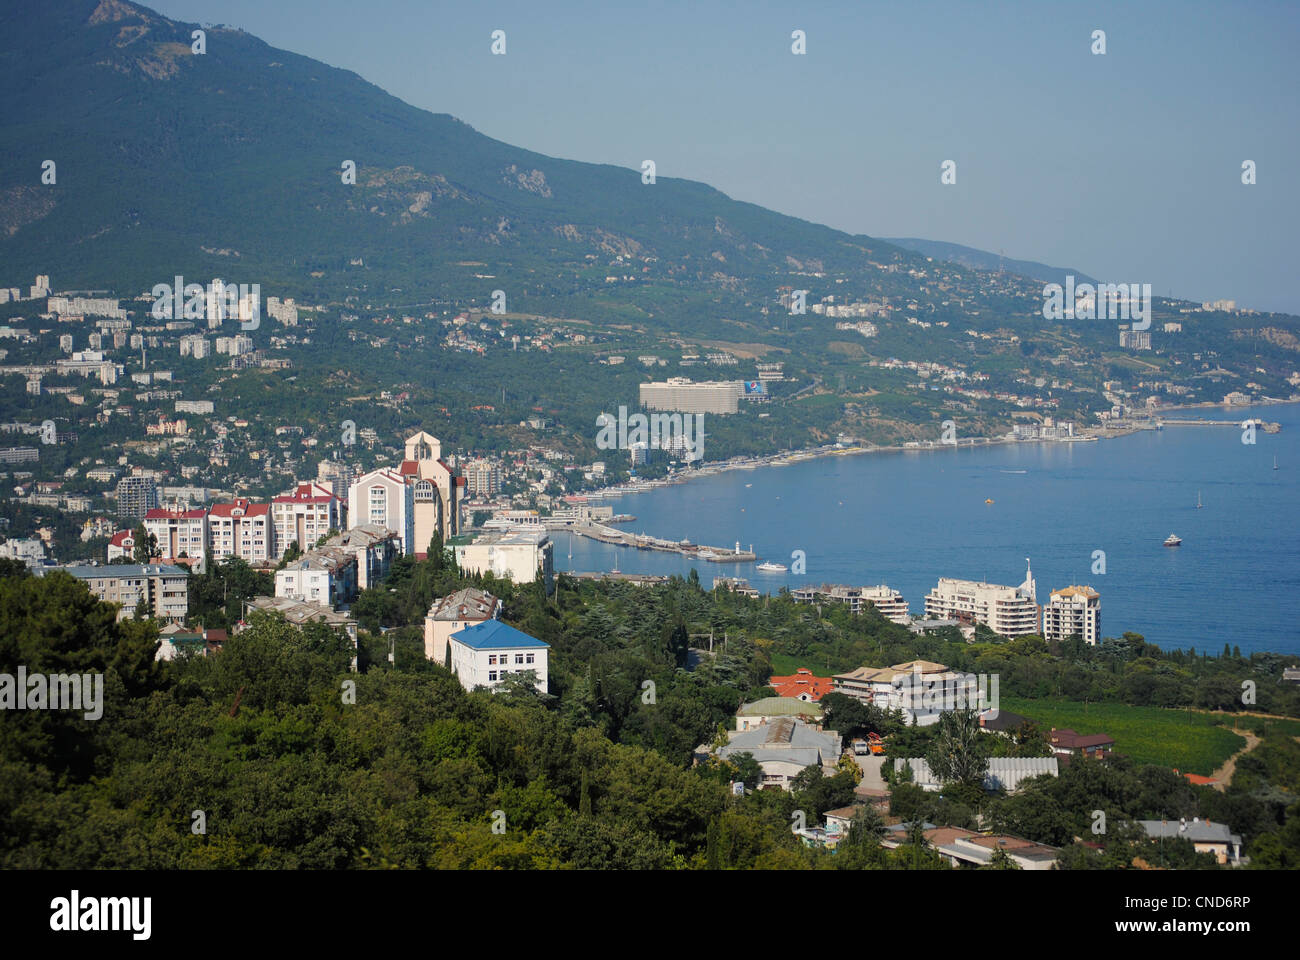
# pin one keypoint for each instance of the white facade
(241, 529)
(1008, 611)
(178, 532)
(1074, 611)
(383, 497)
(305, 515)
(484, 654)
(517, 555)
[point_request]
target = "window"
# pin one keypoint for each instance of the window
(492, 675)
(530, 658)
(492, 660)
(519, 658)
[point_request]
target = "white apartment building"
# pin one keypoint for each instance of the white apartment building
(1073, 611)
(178, 532)
(383, 497)
(514, 554)
(326, 577)
(305, 515)
(1008, 611)
(484, 654)
(453, 613)
(241, 529)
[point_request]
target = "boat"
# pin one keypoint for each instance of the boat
(1173, 540)
(1198, 500)
(707, 555)
(767, 566)
(1275, 463)
(989, 500)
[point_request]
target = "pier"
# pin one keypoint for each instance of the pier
(685, 548)
(1264, 425)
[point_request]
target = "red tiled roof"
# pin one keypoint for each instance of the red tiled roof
(162, 513)
(305, 494)
(802, 682)
(409, 467)
(250, 509)
(120, 538)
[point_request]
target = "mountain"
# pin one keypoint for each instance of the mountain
(228, 163)
(983, 260)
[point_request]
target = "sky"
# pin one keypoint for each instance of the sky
(1125, 165)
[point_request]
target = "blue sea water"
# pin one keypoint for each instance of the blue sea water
(907, 518)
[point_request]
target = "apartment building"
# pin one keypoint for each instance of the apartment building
(1073, 611)
(136, 496)
(482, 479)
(437, 491)
(326, 577)
(163, 588)
(374, 547)
(383, 497)
(305, 515)
(241, 529)
(179, 533)
(1008, 611)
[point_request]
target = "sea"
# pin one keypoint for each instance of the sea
(906, 518)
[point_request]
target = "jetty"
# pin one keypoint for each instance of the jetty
(685, 548)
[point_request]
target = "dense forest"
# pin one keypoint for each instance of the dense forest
(273, 754)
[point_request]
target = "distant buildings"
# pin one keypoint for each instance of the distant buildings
(241, 529)
(1073, 611)
(483, 655)
(1008, 611)
(482, 478)
(920, 689)
(1135, 339)
(31, 552)
(1004, 773)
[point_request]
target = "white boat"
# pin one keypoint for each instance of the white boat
(1198, 500)
(1173, 540)
(767, 566)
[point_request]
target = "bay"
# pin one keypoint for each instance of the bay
(907, 518)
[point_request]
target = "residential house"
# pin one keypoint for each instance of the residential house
(483, 655)
(453, 613)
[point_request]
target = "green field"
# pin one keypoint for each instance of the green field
(1187, 741)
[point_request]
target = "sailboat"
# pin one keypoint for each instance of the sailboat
(1198, 500)
(1274, 461)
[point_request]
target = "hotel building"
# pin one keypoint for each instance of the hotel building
(1008, 611)
(887, 600)
(1074, 611)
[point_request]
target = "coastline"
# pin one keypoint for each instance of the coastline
(788, 457)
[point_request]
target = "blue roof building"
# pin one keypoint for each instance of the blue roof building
(484, 654)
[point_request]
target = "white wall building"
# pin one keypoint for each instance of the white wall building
(1073, 611)
(515, 554)
(484, 654)
(241, 529)
(383, 497)
(1008, 611)
(305, 515)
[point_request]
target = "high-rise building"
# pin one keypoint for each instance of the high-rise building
(482, 478)
(241, 529)
(437, 490)
(1008, 611)
(1074, 611)
(383, 497)
(136, 496)
(179, 533)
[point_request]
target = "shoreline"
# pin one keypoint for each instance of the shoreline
(790, 457)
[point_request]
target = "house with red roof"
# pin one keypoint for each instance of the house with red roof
(122, 546)
(802, 685)
(1067, 743)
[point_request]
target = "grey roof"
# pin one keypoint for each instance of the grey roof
(87, 572)
(1004, 772)
(1196, 830)
(787, 740)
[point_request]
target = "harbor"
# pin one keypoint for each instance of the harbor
(603, 534)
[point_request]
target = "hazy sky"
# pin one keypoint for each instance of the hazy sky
(1126, 166)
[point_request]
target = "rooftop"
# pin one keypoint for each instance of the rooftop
(495, 635)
